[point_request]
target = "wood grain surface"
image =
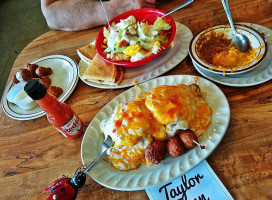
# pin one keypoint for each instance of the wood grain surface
(33, 153)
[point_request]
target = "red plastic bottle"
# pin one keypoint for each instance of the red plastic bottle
(58, 114)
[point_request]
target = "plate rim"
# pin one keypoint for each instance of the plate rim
(40, 112)
(158, 82)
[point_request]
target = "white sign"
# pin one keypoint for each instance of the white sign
(200, 183)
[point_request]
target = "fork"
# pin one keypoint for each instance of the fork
(177, 8)
(106, 145)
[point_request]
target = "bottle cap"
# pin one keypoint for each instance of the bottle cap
(35, 89)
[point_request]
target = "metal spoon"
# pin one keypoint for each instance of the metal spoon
(239, 40)
(179, 7)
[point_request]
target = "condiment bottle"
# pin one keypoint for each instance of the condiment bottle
(58, 114)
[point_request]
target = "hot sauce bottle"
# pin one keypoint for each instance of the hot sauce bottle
(58, 114)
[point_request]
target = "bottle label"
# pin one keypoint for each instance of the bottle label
(72, 128)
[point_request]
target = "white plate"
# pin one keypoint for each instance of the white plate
(172, 56)
(171, 167)
(256, 76)
(65, 75)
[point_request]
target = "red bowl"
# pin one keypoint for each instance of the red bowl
(148, 14)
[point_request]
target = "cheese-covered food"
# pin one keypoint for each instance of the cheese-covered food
(155, 117)
(179, 107)
(132, 127)
(215, 48)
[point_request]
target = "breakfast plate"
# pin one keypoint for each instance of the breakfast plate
(171, 167)
(261, 74)
(171, 57)
(65, 75)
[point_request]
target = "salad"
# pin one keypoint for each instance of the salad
(131, 41)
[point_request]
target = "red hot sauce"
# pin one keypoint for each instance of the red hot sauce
(58, 114)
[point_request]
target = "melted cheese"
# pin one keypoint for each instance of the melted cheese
(127, 157)
(232, 57)
(170, 104)
(137, 122)
(132, 127)
(157, 114)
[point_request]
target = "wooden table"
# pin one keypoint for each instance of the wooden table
(33, 154)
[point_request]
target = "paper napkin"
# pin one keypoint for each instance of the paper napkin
(200, 183)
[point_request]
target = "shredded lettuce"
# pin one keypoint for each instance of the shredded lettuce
(119, 50)
(106, 32)
(146, 45)
(161, 39)
(123, 31)
(143, 38)
(132, 29)
(126, 22)
(140, 31)
(107, 50)
(160, 25)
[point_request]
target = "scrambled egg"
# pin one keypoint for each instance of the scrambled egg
(132, 50)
